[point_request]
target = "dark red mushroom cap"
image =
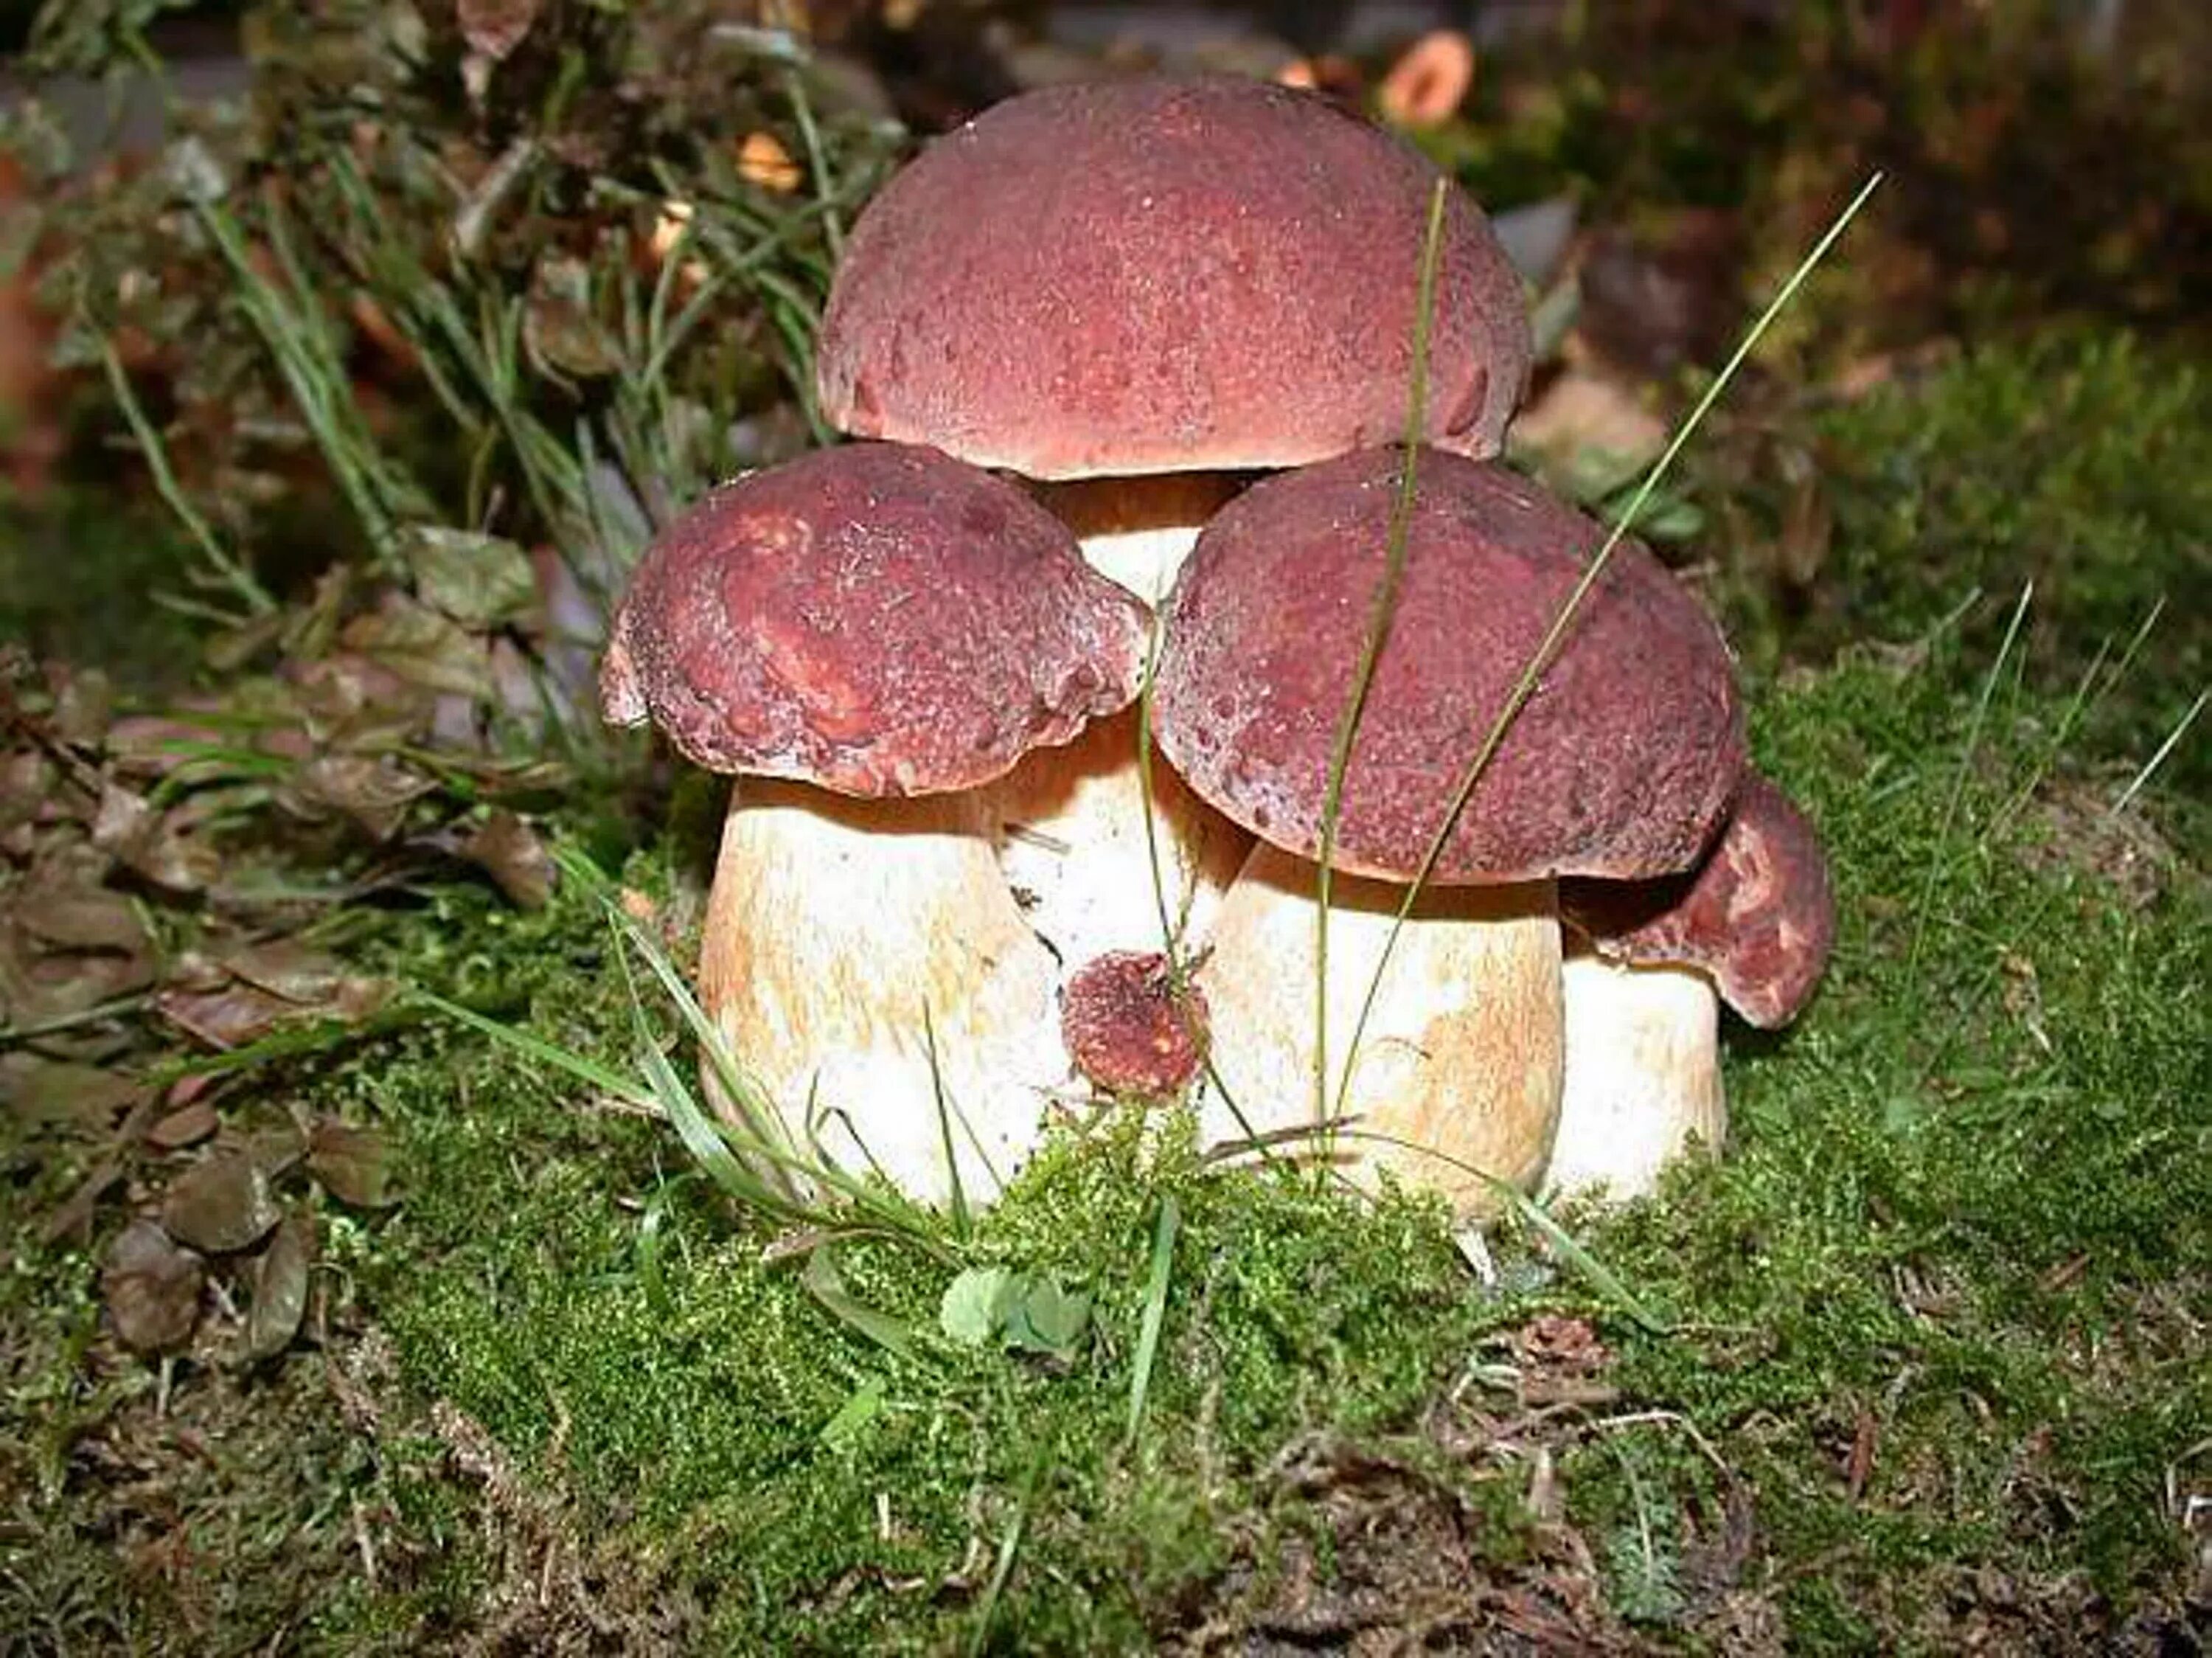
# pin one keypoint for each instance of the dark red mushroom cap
(1757, 915)
(1126, 1029)
(879, 619)
(1622, 764)
(1166, 274)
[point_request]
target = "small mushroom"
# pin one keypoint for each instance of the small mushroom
(1621, 764)
(1753, 923)
(871, 636)
(1139, 291)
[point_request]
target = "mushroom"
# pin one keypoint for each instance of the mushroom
(1139, 291)
(871, 636)
(1621, 764)
(1753, 924)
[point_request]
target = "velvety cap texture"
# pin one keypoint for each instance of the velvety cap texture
(1166, 274)
(1621, 764)
(878, 619)
(1758, 914)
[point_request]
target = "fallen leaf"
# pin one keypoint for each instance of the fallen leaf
(78, 917)
(49, 1091)
(182, 1128)
(127, 828)
(278, 1284)
(421, 647)
(350, 1163)
(151, 1289)
(82, 704)
(374, 791)
(220, 1205)
(479, 581)
(285, 967)
(506, 849)
(229, 1018)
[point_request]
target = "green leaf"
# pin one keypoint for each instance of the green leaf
(855, 1417)
(822, 1283)
(1047, 1320)
(975, 1304)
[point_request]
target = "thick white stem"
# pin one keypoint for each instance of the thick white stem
(1644, 1076)
(833, 926)
(1074, 851)
(1138, 530)
(1460, 1058)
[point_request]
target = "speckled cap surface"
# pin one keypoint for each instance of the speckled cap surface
(878, 619)
(1621, 764)
(1758, 915)
(1127, 1028)
(1166, 274)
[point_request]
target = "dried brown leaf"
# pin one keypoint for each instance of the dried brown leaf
(421, 647)
(479, 581)
(26, 780)
(509, 851)
(237, 1014)
(53, 1091)
(220, 1205)
(80, 917)
(129, 829)
(350, 1163)
(179, 1129)
(285, 967)
(151, 1289)
(373, 790)
(278, 1284)
(82, 703)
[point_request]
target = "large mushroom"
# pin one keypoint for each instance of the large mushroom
(1753, 924)
(1141, 290)
(1621, 764)
(871, 636)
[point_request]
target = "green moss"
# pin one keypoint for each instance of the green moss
(1969, 1211)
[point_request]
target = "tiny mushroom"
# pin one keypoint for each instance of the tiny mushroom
(1752, 923)
(1621, 764)
(871, 636)
(1137, 292)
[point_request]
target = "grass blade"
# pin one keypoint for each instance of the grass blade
(1378, 632)
(1156, 1309)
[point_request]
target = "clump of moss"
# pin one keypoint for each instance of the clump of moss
(1945, 1287)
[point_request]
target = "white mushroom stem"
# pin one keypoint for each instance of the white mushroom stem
(1461, 1058)
(1138, 530)
(1644, 1076)
(833, 926)
(1074, 844)
(1074, 847)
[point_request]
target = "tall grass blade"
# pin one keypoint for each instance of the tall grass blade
(1156, 1308)
(1378, 633)
(228, 570)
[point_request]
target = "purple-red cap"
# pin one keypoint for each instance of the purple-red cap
(1128, 1029)
(878, 619)
(1620, 764)
(1166, 274)
(1757, 915)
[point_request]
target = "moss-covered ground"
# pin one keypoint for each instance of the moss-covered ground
(1920, 1366)
(1921, 1363)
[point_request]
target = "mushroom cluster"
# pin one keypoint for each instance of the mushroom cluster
(1146, 342)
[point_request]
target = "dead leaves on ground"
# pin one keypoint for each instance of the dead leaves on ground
(172, 890)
